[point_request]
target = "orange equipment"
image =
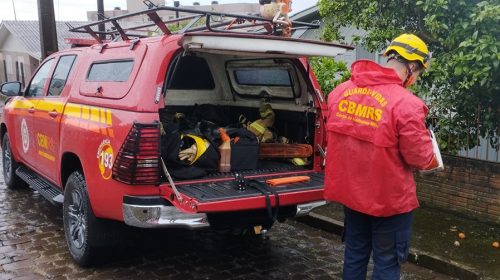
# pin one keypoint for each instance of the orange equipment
(278, 150)
(278, 11)
(287, 180)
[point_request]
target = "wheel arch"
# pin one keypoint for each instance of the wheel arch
(70, 162)
(3, 131)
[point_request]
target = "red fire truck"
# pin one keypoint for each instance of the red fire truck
(95, 128)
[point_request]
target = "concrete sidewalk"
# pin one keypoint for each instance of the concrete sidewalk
(330, 218)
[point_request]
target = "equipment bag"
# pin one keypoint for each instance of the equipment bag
(244, 149)
(172, 143)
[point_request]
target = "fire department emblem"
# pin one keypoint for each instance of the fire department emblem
(105, 159)
(25, 135)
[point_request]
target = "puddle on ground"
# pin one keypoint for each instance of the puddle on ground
(437, 232)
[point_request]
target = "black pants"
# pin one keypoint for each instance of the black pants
(387, 237)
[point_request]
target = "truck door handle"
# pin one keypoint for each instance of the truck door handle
(31, 110)
(53, 113)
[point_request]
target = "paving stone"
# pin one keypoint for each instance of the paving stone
(18, 265)
(6, 276)
(32, 246)
(26, 256)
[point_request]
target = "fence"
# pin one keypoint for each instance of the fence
(464, 139)
(484, 151)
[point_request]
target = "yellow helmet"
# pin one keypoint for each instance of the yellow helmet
(201, 145)
(411, 48)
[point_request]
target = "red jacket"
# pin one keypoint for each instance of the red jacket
(376, 137)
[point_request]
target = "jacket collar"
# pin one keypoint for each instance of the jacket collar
(368, 73)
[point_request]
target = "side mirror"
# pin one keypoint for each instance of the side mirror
(11, 89)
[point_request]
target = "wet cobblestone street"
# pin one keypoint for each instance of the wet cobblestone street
(32, 246)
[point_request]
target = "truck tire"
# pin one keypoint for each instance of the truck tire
(80, 224)
(9, 166)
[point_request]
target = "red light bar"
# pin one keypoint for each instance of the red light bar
(80, 42)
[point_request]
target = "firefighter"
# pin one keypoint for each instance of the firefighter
(376, 138)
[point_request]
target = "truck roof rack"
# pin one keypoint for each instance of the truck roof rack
(199, 20)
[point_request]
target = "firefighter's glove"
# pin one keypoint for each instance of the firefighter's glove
(188, 154)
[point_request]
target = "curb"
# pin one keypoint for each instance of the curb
(420, 258)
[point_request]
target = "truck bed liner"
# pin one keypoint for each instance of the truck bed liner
(216, 191)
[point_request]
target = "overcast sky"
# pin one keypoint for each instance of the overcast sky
(76, 9)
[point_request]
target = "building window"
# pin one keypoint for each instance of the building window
(17, 71)
(22, 73)
(5, 70)
(8, 61)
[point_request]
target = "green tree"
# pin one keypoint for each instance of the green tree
(329, 72)
(463, 83)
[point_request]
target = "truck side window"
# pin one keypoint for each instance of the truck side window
(38, 82)
(110, 71)
(61, 74)
(192, 72)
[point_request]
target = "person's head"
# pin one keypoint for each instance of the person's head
(409, 56)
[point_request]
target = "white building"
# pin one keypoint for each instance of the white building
(20, 47)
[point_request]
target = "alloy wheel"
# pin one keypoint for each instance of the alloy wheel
(76, 220)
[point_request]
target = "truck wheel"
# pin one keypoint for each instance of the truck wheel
(9, 167)
(79, 220)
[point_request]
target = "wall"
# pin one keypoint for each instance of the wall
(467, 186)
(9, 59)
(12, 52)
(137, 6)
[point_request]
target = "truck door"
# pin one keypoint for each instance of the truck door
(47, 119)
(23, 113)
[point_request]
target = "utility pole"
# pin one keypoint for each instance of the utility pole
(100, 16)
(177, 4)
(14, 7)
(47, 25)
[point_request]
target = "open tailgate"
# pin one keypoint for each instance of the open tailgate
(222, 194)
(259, 45)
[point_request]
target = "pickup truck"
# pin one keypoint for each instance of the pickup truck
(93, 128)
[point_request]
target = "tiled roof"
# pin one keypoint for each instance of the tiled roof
(28, 34)
(306, 15)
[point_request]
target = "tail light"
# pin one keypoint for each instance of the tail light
(138, 161)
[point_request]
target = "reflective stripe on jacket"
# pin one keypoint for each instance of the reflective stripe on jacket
(376, 138)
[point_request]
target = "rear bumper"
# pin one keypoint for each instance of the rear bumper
(153, 212)
(304, 209)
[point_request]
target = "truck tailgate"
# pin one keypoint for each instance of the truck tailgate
(225, 190)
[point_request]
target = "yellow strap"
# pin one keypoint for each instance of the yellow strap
(266, 113)
(298, 161)
(255, 125)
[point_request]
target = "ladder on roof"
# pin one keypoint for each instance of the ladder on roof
(199, 20)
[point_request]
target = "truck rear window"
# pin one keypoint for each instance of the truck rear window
(263, 77)
(110, 71)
